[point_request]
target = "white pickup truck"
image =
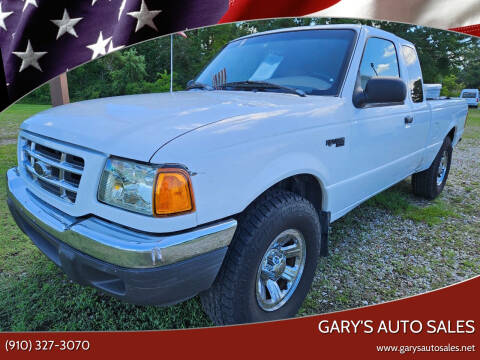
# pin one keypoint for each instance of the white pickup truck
(227, 189)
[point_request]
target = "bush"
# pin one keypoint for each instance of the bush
(451, 86)
(39, 96)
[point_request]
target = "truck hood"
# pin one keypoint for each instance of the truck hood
(136, 126)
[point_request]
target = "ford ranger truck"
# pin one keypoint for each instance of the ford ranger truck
(227, 189)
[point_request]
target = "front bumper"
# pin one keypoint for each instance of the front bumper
(134, 266)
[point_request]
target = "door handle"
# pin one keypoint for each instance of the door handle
(408, 119)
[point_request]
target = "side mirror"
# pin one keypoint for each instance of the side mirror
(190, 83)
(381, 90)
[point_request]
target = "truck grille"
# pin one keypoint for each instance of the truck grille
(55, 171)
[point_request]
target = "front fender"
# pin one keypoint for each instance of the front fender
(228, 190)
(226, 182)
(282, 168)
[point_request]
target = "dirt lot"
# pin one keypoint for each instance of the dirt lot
(393, 246)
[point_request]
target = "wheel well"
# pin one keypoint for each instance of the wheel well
(305, 185)
(451, 134)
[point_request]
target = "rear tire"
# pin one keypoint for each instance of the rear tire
(430, 183)
(278, 238)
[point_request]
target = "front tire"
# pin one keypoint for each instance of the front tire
(430, 183)
(270, 264)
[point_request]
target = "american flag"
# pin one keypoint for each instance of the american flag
(40, 39)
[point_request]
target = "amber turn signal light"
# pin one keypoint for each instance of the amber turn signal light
(173, 192)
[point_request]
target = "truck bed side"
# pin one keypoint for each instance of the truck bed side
(448, 117)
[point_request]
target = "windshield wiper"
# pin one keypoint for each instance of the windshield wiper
(198, 85)
(262, 85)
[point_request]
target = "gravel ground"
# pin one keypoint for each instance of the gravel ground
(382, 251)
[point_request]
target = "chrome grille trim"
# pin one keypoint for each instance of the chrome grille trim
(60, 183)
(63, 165)
(60, 170)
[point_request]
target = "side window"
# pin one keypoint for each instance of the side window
(414, 73)
(379, 59)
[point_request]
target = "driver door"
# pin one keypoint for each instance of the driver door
(380, 134)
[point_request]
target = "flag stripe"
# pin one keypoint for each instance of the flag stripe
(470, 30)
(254, 9)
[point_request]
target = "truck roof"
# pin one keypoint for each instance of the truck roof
(355, 27)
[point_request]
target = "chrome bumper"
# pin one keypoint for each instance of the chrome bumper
(115, 244)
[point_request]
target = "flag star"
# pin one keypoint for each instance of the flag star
(66, 25)
(3, 16)
(27, 2)
(99, 47)
(29, 57)
(94, 1)
(111, 48)
(144, 17)
(122, 7)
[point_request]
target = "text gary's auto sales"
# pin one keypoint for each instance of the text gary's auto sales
(397, 326)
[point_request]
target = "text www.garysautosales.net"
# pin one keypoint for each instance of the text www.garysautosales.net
(412, 349)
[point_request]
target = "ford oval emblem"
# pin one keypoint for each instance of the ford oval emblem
(42, 169)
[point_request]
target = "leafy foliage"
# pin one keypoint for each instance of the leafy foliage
(451, 86)
(446, 57)
(470, 73)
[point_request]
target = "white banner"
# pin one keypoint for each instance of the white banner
(444, 14)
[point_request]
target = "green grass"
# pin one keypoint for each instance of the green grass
(398, 201)
(474, 117)
(473, 122)
(11, 119)
(35, 295)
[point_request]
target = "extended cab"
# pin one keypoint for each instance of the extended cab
(227, 189)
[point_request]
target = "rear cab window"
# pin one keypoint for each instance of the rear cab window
(469, 95)
(415, 83)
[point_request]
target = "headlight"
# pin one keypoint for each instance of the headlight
(146, 189)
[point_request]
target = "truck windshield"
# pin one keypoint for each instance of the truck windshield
(468, 95)
(311, 62)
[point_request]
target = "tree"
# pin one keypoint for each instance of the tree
(127, 68)
(470, 73)
(445, 56)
